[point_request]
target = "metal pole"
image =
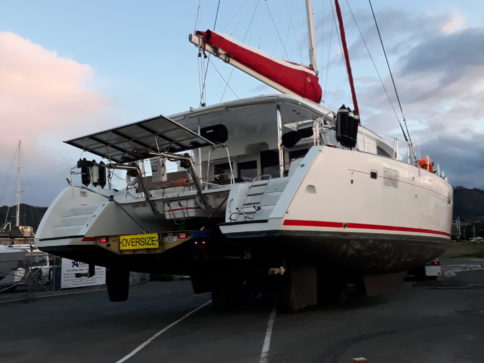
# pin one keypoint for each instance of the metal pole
(347, 56)
(312, 43)
(279, 142)
(200, 153)
(17, 191)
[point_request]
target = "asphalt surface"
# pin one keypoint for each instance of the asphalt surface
(440, 321)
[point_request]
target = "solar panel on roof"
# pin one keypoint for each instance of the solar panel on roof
(134, 141)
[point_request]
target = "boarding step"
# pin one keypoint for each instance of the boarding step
(255, 193)
(79, 220)
(80, 211)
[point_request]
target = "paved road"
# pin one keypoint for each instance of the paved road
(439, 321)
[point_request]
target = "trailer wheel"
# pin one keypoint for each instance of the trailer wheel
(117, 282)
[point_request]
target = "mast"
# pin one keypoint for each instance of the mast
(312, 43)
(347, 56)
(17, 189)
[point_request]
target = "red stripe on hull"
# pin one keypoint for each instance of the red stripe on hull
(294, 222)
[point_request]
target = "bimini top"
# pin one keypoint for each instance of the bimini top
(135, 141)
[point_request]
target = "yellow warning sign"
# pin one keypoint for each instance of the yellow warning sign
(139, 241)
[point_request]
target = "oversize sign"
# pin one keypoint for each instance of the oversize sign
(139, 241)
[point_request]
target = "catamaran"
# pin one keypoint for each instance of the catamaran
(268, 191)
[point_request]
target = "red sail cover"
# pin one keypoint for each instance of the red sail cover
(299, 79)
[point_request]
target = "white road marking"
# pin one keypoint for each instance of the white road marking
(145, 343)
(461, 268)
(264, 355)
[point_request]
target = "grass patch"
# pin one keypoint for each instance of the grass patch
(472, 255)
(465, 249)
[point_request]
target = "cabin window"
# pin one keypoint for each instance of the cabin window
(248, 170)
(381, 152)
(221, 169)
(221, 173)
(269, 160)
(297, 154)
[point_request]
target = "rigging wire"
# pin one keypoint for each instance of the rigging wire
(393, 80)
(243, 40)
(291, 9)
(221, 76)
(197, 16)
(339, 37)
(199, 64)
(376, 70)
(277, 30)
(331, 30)
(203, 96)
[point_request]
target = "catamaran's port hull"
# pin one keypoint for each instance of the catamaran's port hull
(175, 261)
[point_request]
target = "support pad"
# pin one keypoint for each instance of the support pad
(382, 284)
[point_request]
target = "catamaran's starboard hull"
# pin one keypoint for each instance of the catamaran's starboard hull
(346, 209)
(354, 253)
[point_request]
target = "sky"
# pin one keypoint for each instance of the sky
(70, 68)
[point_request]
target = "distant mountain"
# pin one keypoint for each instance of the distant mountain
(29, 215)
(469, 204)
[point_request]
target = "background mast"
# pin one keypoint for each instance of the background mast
(17, 189)
(312, 43)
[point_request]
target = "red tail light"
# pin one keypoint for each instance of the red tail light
(435, 262)
(102, 239)
(89, 239)
(182, 235)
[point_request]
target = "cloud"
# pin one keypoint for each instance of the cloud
(464, 157)
(455, 22)
(440, 77)
(44, 98)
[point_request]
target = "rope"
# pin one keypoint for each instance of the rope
(203, 96)
(393, 80)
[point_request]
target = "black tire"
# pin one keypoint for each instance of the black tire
(117, 282)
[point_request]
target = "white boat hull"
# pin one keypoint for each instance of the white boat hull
(352, 210)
